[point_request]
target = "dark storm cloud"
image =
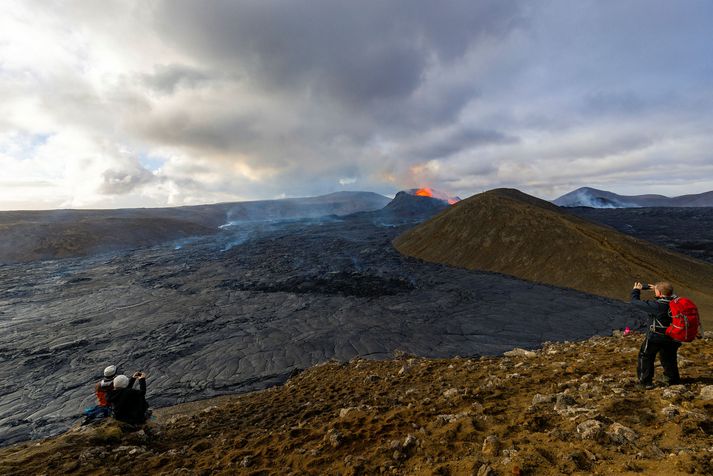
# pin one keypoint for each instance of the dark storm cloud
(217, 133)
(358, 52)
(459, 140)
(336, 76)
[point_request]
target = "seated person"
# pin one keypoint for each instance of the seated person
(128, 404)
(105, 386)
(102, 389)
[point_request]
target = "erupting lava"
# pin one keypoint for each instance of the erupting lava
(429, 192)
(424, 192)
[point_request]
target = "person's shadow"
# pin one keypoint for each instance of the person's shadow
(706, 380)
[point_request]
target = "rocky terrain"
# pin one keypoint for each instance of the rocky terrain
(563, 408)
(510, 232)
(50, 234)
(243, 309)
(591, 197)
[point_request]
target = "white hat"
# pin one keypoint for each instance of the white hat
(110, 371)
(121, 381)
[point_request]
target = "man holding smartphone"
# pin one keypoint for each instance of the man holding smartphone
(656, 341)
(129, 404)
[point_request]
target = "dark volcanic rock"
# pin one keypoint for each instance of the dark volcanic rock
(408, 205)
(243, 309)
(686, 230)
(405, 208)
(345, 283)
(51, 234)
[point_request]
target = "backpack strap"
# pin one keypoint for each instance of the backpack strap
(657, 324)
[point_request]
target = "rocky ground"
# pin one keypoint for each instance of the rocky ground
(565, 408)
(244, 309)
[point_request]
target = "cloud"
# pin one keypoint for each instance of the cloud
(249, 100)
(356, 52)
(165, 78)
(460, 139)
(119, 182)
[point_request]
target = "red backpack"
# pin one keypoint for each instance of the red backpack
(685, 322)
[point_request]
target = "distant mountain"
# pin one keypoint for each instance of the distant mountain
(51, 234)
(507, 231)
(408, 207)
(591, 197)
(338, 203)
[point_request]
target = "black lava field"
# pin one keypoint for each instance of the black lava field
(244, 309)
(685, 230)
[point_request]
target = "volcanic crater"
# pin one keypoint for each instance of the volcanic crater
(244, 308)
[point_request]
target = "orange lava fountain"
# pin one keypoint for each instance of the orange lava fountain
(428, 192)
(424, 192)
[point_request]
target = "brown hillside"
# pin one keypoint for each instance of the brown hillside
(570, 408)
(509, 232)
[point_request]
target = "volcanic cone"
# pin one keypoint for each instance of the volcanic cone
(510, 232)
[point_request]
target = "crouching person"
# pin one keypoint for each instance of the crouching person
(129, 404)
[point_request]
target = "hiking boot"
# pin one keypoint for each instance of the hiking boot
(645, 386)
(667, 382)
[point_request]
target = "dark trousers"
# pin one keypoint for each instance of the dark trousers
(667, 349)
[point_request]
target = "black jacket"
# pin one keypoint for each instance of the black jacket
(657, 309)
(128, 404)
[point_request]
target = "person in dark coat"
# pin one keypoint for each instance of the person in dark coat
(656, 341)
(129, 404)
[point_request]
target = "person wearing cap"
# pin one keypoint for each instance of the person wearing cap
(129, 404)
(102, 390)
(105, 386)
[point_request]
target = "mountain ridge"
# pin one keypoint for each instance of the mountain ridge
(52, 234)
(595, 198)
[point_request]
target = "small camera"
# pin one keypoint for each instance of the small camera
(645, 286)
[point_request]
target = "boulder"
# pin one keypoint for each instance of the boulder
(491, 445)
(518, 352)
(671, 411)
(707, 392)
(451, 392)
(621, 434)
(486, 470)
(590, 429)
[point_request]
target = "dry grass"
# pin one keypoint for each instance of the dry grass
(420, 416)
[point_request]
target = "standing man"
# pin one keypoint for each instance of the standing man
(656, 341)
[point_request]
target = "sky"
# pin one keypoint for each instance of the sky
(107, 104)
